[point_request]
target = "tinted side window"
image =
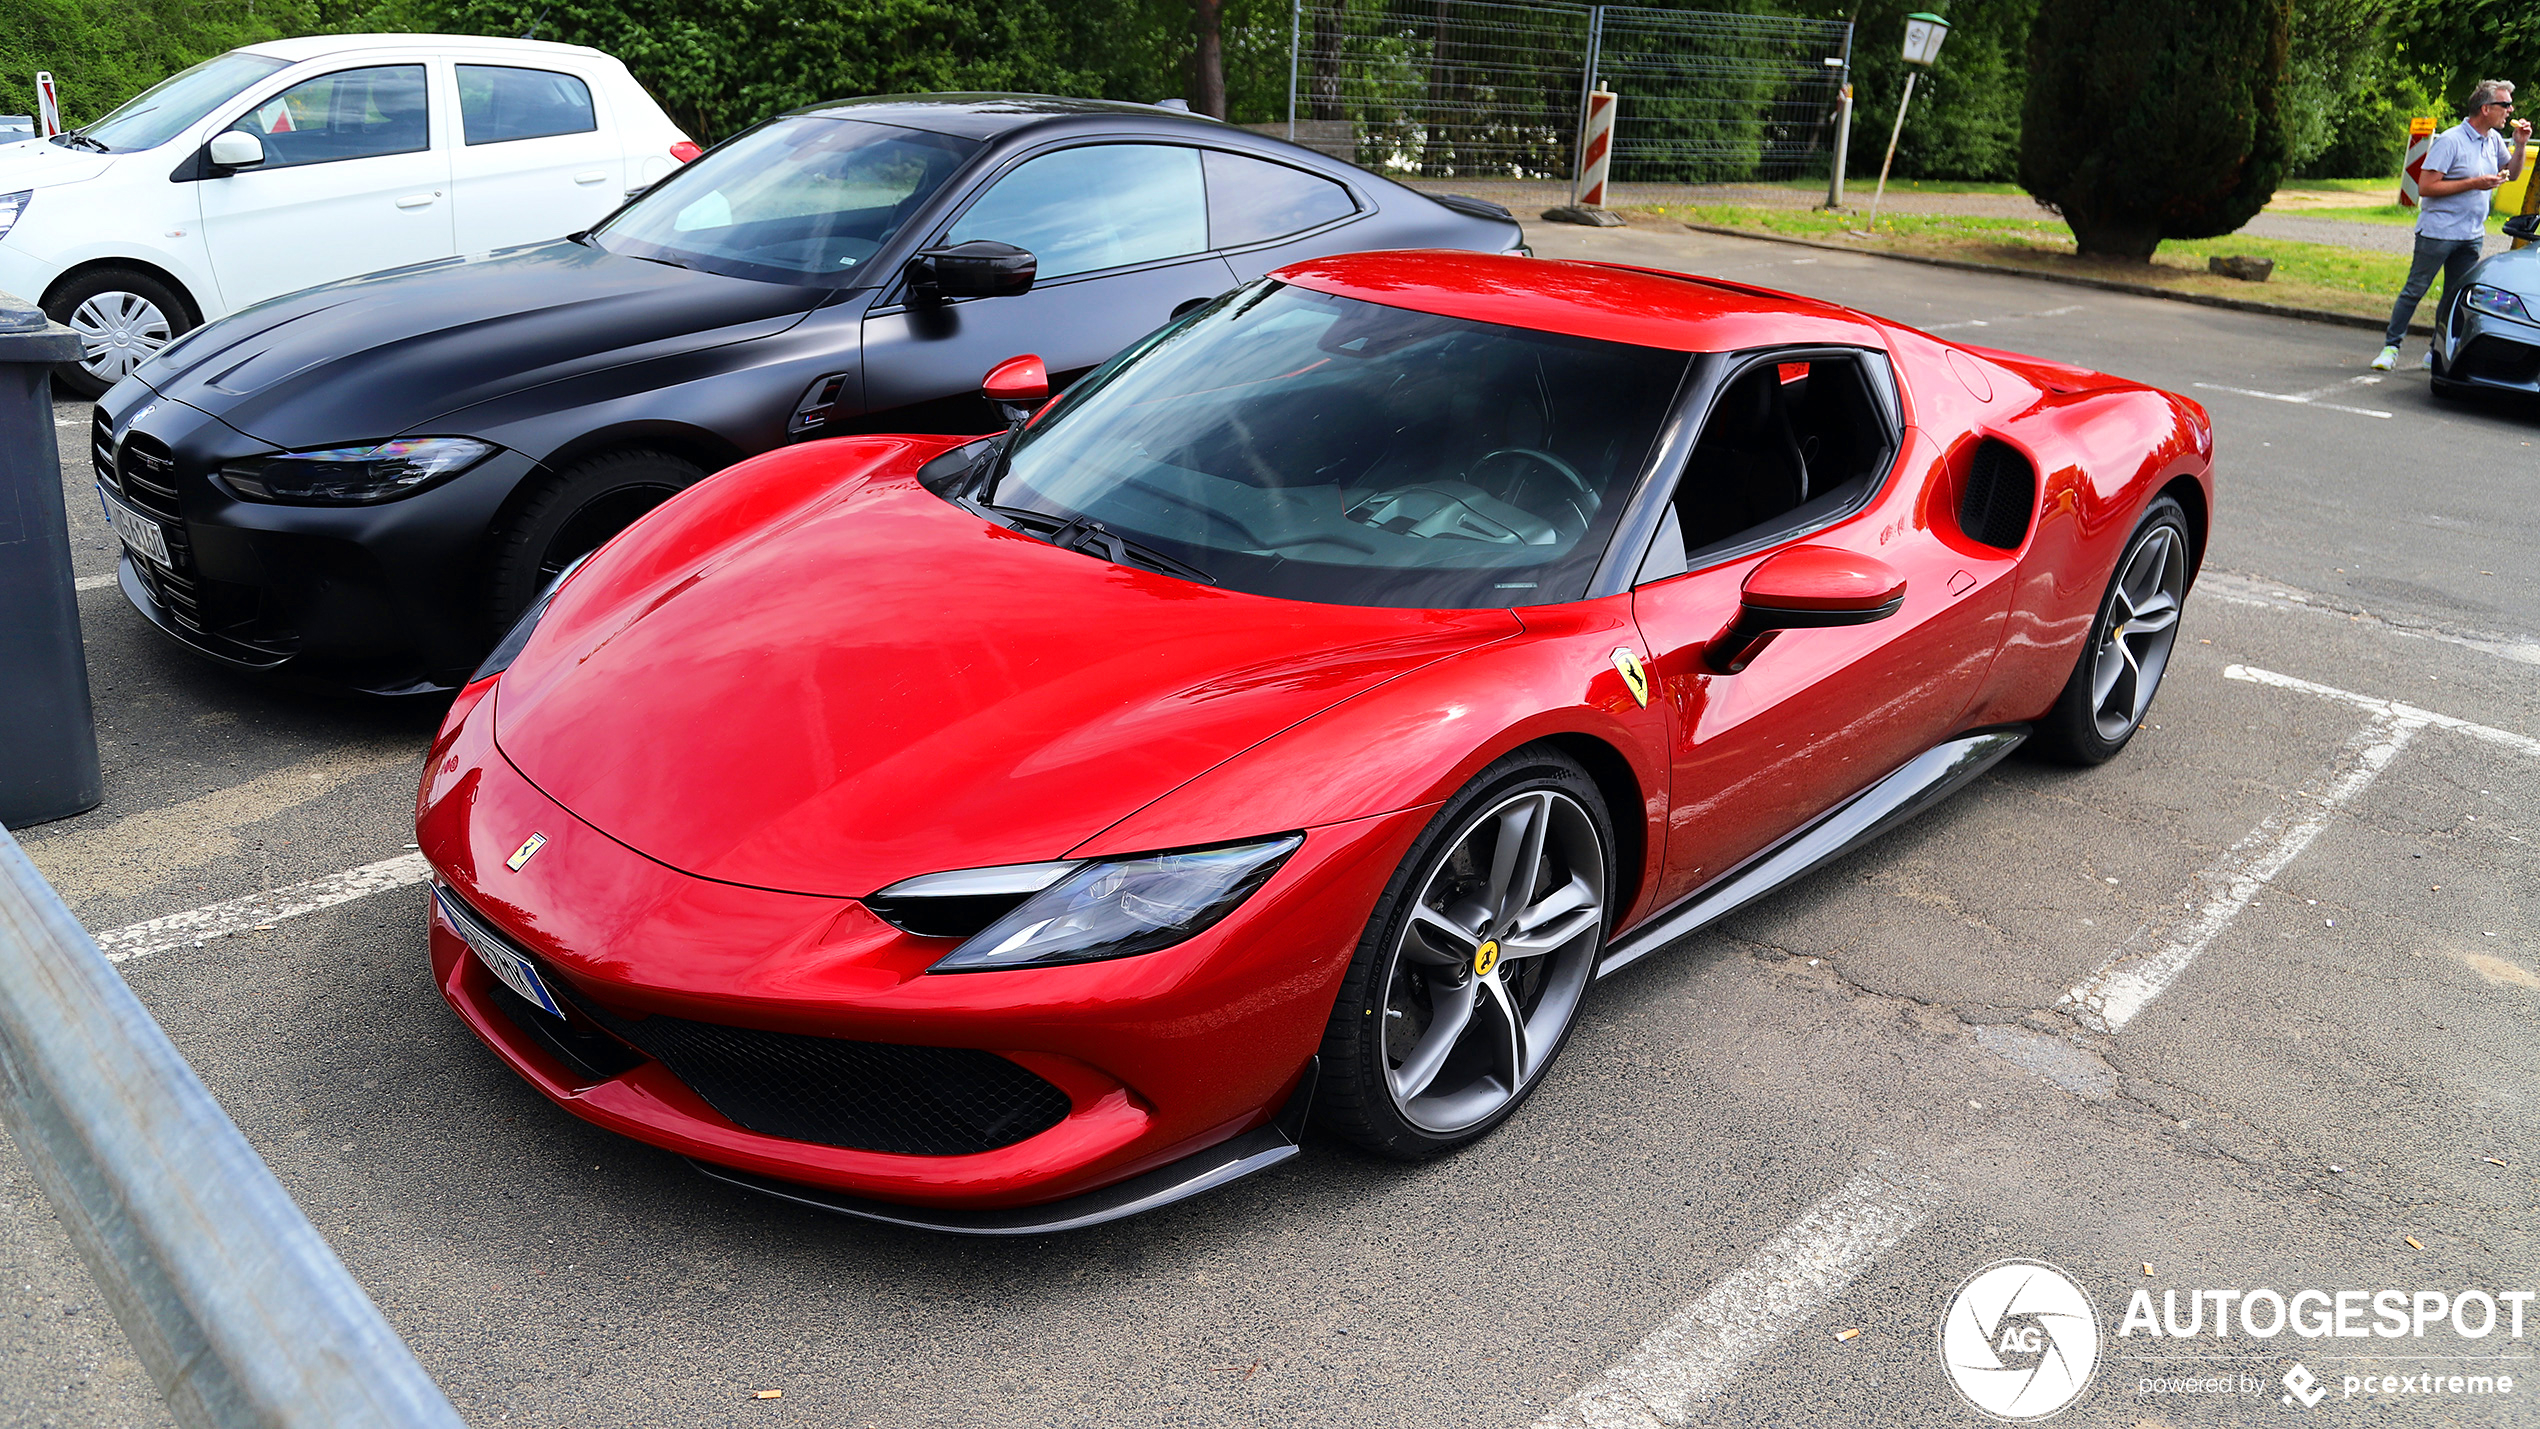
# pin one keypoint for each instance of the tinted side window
(497, 102)
(1253, 200)
(350, 114)
(1101, 206)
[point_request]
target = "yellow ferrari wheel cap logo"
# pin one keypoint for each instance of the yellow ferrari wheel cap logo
(1635, 678)
(528, 849)
(1485, 958)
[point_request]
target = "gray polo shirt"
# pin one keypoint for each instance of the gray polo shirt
(2460, 152)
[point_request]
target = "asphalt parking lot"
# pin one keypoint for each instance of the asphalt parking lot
(2249, 1007)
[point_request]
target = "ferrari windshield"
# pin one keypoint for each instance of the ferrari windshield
(798, 200)
(1290, 443)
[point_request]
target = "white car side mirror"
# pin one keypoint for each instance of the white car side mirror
(233, 150)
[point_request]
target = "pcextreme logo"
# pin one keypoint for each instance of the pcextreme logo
(2020, 1340)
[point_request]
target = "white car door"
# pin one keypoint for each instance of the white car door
(536, 157)
(355, 179)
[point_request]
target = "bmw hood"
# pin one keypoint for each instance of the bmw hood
(827, 693)
(387, 354)
(41, 163)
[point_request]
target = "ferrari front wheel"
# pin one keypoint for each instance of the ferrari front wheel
(2120, 669)
(1472, 969)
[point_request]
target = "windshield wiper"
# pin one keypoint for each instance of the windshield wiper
(73, 139)
(1087, 536)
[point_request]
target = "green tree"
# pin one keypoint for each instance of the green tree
(103, 52)
(2453, 44)
(2155, 119)
(1966, 119)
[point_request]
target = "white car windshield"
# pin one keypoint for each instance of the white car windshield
(168, 108)
(798, 200)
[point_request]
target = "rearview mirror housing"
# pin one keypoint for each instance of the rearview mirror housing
(1017, 385)
(1803, 588)
(231, 149)
(980, 268)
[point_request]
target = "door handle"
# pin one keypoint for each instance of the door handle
(418, 200)
(1961, 583)
(590, 176)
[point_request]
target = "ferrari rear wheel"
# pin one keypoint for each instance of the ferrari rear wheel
(2120, 669)
(1473, 968)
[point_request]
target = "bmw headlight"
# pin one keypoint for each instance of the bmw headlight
(1083, 912)
(2496, 300)
(354, 476)
(11, 205)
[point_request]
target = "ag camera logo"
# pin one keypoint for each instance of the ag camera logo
(2020, 1340)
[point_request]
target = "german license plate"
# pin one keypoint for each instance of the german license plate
(141, 535)
(516, 972)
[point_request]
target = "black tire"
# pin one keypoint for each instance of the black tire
(111, 295)
(1371, 1041)
(570, 515)
(2087, 726)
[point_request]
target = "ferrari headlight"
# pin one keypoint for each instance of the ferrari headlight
(2496, 300)
(11, 205)
(354, 476)
(1115, 908)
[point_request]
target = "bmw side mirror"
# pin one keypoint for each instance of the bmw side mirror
(234, 150)
(980, 268)
(1805, 588)
(1018, 386)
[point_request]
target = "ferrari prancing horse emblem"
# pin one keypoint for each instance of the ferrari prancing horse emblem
(1635, 678)
(528, 849)
(1485, 958)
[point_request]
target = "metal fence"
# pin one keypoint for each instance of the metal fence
(232, 1300)
(1488, 97)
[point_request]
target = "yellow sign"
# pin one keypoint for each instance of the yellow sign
(1635, 678)
(1485, 958)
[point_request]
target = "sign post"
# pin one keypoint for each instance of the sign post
(48, 106)
(2420, 139)
(1923, 34)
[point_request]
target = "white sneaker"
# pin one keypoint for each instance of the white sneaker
(2428, 364)
(2388, 359)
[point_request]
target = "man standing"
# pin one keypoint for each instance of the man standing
(2463, 167)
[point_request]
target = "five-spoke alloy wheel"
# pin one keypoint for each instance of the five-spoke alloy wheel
(1475, 964)
(2130, 643)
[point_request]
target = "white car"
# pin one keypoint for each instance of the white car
(280, 166)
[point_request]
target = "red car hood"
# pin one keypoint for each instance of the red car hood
(798, 680)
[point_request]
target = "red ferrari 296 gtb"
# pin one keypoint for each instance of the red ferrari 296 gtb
(1295, 719)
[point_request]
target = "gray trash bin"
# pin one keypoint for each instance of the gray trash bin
(48, 737)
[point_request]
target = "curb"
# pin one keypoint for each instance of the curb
(2074, 280)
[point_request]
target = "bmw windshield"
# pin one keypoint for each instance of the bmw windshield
(1294, 444)
(797, 200)
(159, 113)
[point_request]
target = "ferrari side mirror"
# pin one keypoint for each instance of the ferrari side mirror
(980, 268)
(234, 150)
(1805, 587)
(1017, 385)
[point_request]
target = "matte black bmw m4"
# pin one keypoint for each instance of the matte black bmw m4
(362, 483)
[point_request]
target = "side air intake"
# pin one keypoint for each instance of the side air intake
(2001, 493)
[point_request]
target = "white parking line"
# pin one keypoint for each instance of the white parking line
(87, 583)
(2307, 399)
(2233, 588)
(140, 940)
(2123, 986)
(1693, 1356)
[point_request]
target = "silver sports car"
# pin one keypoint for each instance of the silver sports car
(2491, 338)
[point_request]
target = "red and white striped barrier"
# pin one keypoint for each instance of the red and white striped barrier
(2420, 140)
(1596, 148)
(48, 106)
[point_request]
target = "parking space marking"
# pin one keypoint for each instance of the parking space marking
(2306, 399)
(2234, 588)
(1693, 1356)
(88, 583)
(2122, 987)
(140, 940)
(2006, 318)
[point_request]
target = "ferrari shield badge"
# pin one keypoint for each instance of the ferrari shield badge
(528, 849)
(1635, 678)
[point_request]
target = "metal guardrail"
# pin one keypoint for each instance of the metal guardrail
(240, 1311)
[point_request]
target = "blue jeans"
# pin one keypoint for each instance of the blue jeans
(2454, 256)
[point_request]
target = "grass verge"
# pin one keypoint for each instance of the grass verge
(2320, 276)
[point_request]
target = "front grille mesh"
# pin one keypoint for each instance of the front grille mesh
(865, 1096)
(2501, 360)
